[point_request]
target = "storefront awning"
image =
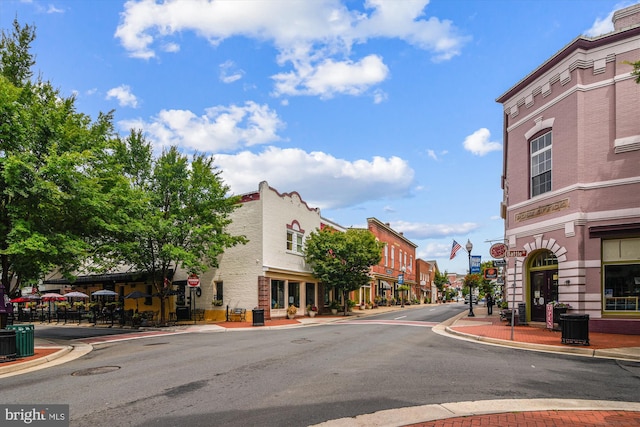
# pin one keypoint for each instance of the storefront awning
(385, 285)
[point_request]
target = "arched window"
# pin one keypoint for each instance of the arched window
(541, 164)
(544, 259)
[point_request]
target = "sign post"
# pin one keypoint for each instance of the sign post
(193, 281)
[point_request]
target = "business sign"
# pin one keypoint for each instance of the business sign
(499, 263)
(498, 250)
(475, 263)
(516, 253)
(490, 273)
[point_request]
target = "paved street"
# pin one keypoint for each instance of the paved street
(308, 375)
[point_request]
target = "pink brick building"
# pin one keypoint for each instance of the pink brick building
(571, 180)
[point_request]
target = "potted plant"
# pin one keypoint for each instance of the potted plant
(291, 311)
(334, 306)
(217, 302)
(312, 310)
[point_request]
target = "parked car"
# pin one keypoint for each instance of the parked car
(475, 299)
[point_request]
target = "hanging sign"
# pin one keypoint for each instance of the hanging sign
(498, 250)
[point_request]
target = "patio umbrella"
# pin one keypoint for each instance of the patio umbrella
(76, 294)
(137, 295)
(20, 299)
(104, 293)
(52, 296)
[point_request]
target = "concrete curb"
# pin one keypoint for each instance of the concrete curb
(575, 351)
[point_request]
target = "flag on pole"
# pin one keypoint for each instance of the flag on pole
(455, 248)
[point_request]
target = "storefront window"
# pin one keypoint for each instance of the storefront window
(277, 294)
(294, 293)
(621, 274)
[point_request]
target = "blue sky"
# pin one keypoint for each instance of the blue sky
(377, 108)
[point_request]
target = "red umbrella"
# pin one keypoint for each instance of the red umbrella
(52, 296)
(20, 299)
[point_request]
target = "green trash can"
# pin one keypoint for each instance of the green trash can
(24, 340)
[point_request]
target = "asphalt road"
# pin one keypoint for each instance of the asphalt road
(307, 375)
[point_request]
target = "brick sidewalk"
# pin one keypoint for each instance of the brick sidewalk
(542, 419)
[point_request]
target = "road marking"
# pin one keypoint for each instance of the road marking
(401, 317)
(389, 322)
(125, 337)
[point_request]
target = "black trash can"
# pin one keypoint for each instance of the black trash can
(183, 313)
(575, 328)
(7, 344)
(258, 317)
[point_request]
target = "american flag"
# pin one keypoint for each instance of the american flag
(455, 248)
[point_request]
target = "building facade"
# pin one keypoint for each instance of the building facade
(571, 180)
(269, 272)
(396, 268)
(425, 287)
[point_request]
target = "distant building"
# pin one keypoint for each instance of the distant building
(571, 180)
(398, 259)
(425, 276)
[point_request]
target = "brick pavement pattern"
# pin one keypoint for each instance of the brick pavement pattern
(542, 419)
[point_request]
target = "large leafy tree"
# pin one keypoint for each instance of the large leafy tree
(342, 260)
(180, 215)
(56, 176)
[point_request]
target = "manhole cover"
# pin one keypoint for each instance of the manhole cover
(96, 371)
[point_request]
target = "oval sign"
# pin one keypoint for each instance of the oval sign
(498, 250)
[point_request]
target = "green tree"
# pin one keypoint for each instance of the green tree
(636, 69)
(15, 54)
(440, 280)
(180, 216)
(56, 174)
(342, 260)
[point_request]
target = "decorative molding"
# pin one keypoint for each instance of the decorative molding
(623, 145)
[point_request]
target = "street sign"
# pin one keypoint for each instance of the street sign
(475, 264)
(499, 263)
(516, 253)
(498, 250)
(193, 281)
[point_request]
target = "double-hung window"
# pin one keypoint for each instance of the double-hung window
(541, 164)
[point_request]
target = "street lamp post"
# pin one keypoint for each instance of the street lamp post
(402, 269)
(469, 247)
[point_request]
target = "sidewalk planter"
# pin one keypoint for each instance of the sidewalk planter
(575, 328)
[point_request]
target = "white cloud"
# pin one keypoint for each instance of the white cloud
(53, 9)
(124, 96)
(418, 230)
(221, 128)
(313, 38)
(479, 143)
(601, 26)
(325, 181)
(330, 78)
(228, 74)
